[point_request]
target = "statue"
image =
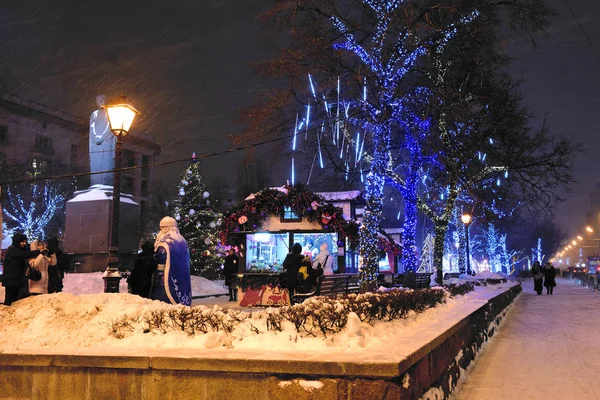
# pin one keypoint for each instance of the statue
(102, 145)
(171, 282)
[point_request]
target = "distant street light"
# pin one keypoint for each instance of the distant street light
(120, 118)
(589, 229)
(466, 219)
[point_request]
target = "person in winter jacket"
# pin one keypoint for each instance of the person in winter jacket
(41, 262)
(230, 271)
(15, 264)
(56, 273)
(549, 278)
(140, 280)
(324, 260)
(291, 265)
(538, 277)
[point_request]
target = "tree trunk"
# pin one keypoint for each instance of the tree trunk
(441, 227)
(369, 230)
(409, 258)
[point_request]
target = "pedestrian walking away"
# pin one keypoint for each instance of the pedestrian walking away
(538, 277)
(549, 278)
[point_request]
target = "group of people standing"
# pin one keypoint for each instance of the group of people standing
(44, 257)
(161, 270)
(302, 272)
(543, 276)
(302, 267)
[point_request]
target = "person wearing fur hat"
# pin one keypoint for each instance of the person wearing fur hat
(15, 265)
(172, 281)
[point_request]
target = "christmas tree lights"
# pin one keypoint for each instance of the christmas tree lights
(199, 224)
(32, 218)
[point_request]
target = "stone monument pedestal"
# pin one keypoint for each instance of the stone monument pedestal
(88, 228)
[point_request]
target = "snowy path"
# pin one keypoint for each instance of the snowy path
(548, 347)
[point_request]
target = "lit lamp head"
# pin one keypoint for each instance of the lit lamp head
(589, 229)
(466, 219)
(574, 242)
(120, 118)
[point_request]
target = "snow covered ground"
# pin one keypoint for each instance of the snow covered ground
(64, 323)
(547, 348)
(92, 283)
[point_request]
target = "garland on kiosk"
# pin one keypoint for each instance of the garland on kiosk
(249, 215)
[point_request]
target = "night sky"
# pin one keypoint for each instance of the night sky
(184, 65)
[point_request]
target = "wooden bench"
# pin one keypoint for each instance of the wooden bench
(398, 280)
(391, 281)
(331, 285)
(451, 275)
(422, 280)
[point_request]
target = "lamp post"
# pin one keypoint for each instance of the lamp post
(466, 219)
(120, 118)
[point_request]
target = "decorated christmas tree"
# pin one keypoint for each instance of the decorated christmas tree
(199, 223)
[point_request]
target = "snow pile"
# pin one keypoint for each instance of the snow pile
(203, 287)
(89, 283)
(69, 324)
(487, 274)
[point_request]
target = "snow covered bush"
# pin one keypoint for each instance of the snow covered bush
(320, 315)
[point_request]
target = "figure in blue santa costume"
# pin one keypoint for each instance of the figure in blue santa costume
(172, 282)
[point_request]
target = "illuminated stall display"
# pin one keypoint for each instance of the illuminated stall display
(267, 250)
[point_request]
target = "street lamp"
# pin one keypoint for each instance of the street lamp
(120, 118)
(589, 229)
(466, 219)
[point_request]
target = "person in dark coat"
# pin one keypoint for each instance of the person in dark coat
(140, 280)
(549, 278)
(56, 273)
(230, 271)
(291, 265)
(538, 277)
(15, 265)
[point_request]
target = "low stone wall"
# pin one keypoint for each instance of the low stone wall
(431, 371)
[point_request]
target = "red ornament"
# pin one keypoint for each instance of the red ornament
(325, 218)
(242, 220)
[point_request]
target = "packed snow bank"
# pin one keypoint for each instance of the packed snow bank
(67, 324)
(91, 283)
(485, 274)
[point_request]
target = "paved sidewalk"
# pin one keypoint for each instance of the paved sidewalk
(548, 347)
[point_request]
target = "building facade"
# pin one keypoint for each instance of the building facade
(41, 139)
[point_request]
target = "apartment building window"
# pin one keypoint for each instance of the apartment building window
(146, 170)
(128, 158)
(127, 184)
(3, 134)
(41, 165)
(73, 151)
(145, 188)
(43, 142)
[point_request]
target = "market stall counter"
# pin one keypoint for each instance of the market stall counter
(262, 289)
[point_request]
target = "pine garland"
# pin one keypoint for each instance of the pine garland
(249, 215)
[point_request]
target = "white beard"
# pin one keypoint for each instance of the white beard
(168, 235)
